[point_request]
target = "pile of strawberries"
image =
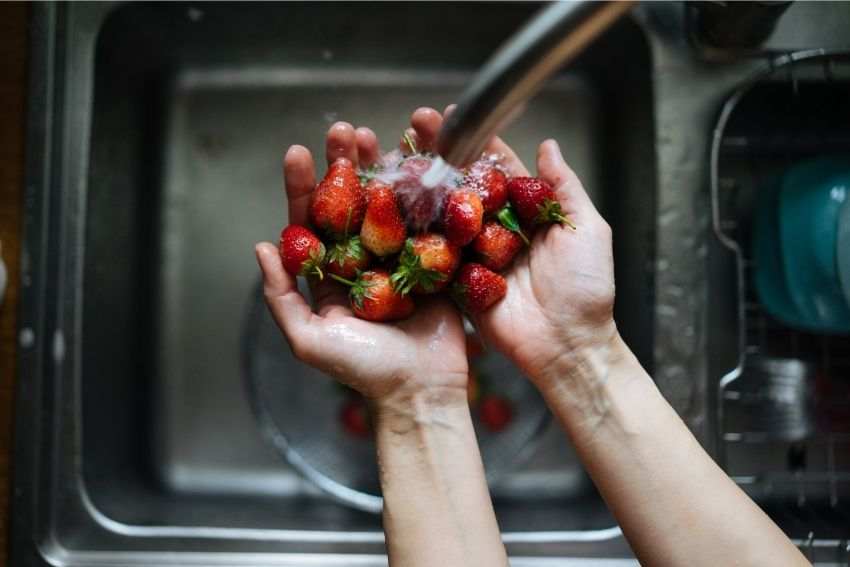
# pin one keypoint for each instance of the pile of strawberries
(389, 237)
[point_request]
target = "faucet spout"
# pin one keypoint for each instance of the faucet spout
(517, 71)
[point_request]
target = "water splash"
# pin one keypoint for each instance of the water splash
(438, 173)
(422, 182)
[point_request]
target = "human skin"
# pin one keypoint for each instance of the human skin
(675, 505)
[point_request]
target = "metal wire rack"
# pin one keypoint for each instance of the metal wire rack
(779, 117)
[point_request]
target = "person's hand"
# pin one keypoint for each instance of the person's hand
(426, 352)
(560, 294)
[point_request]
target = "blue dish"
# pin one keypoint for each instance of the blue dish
(795, 246)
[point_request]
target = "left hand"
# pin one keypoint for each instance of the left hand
(424, 353)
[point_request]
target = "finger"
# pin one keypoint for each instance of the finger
(287, 305)
(367, 146)
(409, 142)
(449, 109)
(568, 188)
(341, 142)
(299, 174)
(426, 122)
(509, 159)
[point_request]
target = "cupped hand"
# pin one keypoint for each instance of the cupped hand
(424, 352)
(560, 291)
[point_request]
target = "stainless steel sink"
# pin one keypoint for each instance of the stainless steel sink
(156, 136)
(181, 115)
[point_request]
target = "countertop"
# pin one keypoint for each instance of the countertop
(13, 64)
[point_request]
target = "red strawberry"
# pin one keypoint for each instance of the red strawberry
(490, 183)
(463, 216)
(426, 265)
(383, 231)
(301, 251)
(354, 417)
(338, 202)
(495, 413)
(348, 257)
(476, 288)
(373, 298)
(496, 246)
(535, 202)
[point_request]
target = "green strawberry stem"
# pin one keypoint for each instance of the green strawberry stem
(564, 220)
(550, 211)
(410, 143)
(507, 218)
(342, 280)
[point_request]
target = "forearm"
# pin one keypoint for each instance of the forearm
(674, 504)
(437, 508)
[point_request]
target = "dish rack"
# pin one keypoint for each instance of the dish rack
(804, 482)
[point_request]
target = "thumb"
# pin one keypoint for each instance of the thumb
(569, 191)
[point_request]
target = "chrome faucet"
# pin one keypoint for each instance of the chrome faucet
(518, 70)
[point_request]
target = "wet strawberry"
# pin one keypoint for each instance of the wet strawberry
(373, 298)
(495, 413)
(490, 183)
(496, 246)
(383, 231)
(476, 288)
(338, 203)
(354, 416)
(426, 265)
(301, 251)
(421, 205)
(535, 202)
(347, 258)
(463, 216)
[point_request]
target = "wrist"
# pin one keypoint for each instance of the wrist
(581, 356)
(410, 407)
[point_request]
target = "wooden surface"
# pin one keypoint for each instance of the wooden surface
(13, 79)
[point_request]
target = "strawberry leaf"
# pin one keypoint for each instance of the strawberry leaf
(508, 219)
(368, 174)
(410, 272)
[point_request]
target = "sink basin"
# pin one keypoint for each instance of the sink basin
(172, 122)
(769, 127)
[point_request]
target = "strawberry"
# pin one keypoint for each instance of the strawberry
(383, 231)
(476, 288)
(373, 298)
(347, 258)
(338, 203)
(535, 202)
(426, 265)
(490, 183)
(496, 246)
(301, 251)
(463, 216)
(354, 417)
(495, 413)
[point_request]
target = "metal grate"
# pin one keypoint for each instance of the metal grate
(779, 118)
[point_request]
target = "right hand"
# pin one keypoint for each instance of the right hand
(559, 305)
(560, 299)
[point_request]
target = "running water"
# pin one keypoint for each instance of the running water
(421, 183)
(438, 173)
